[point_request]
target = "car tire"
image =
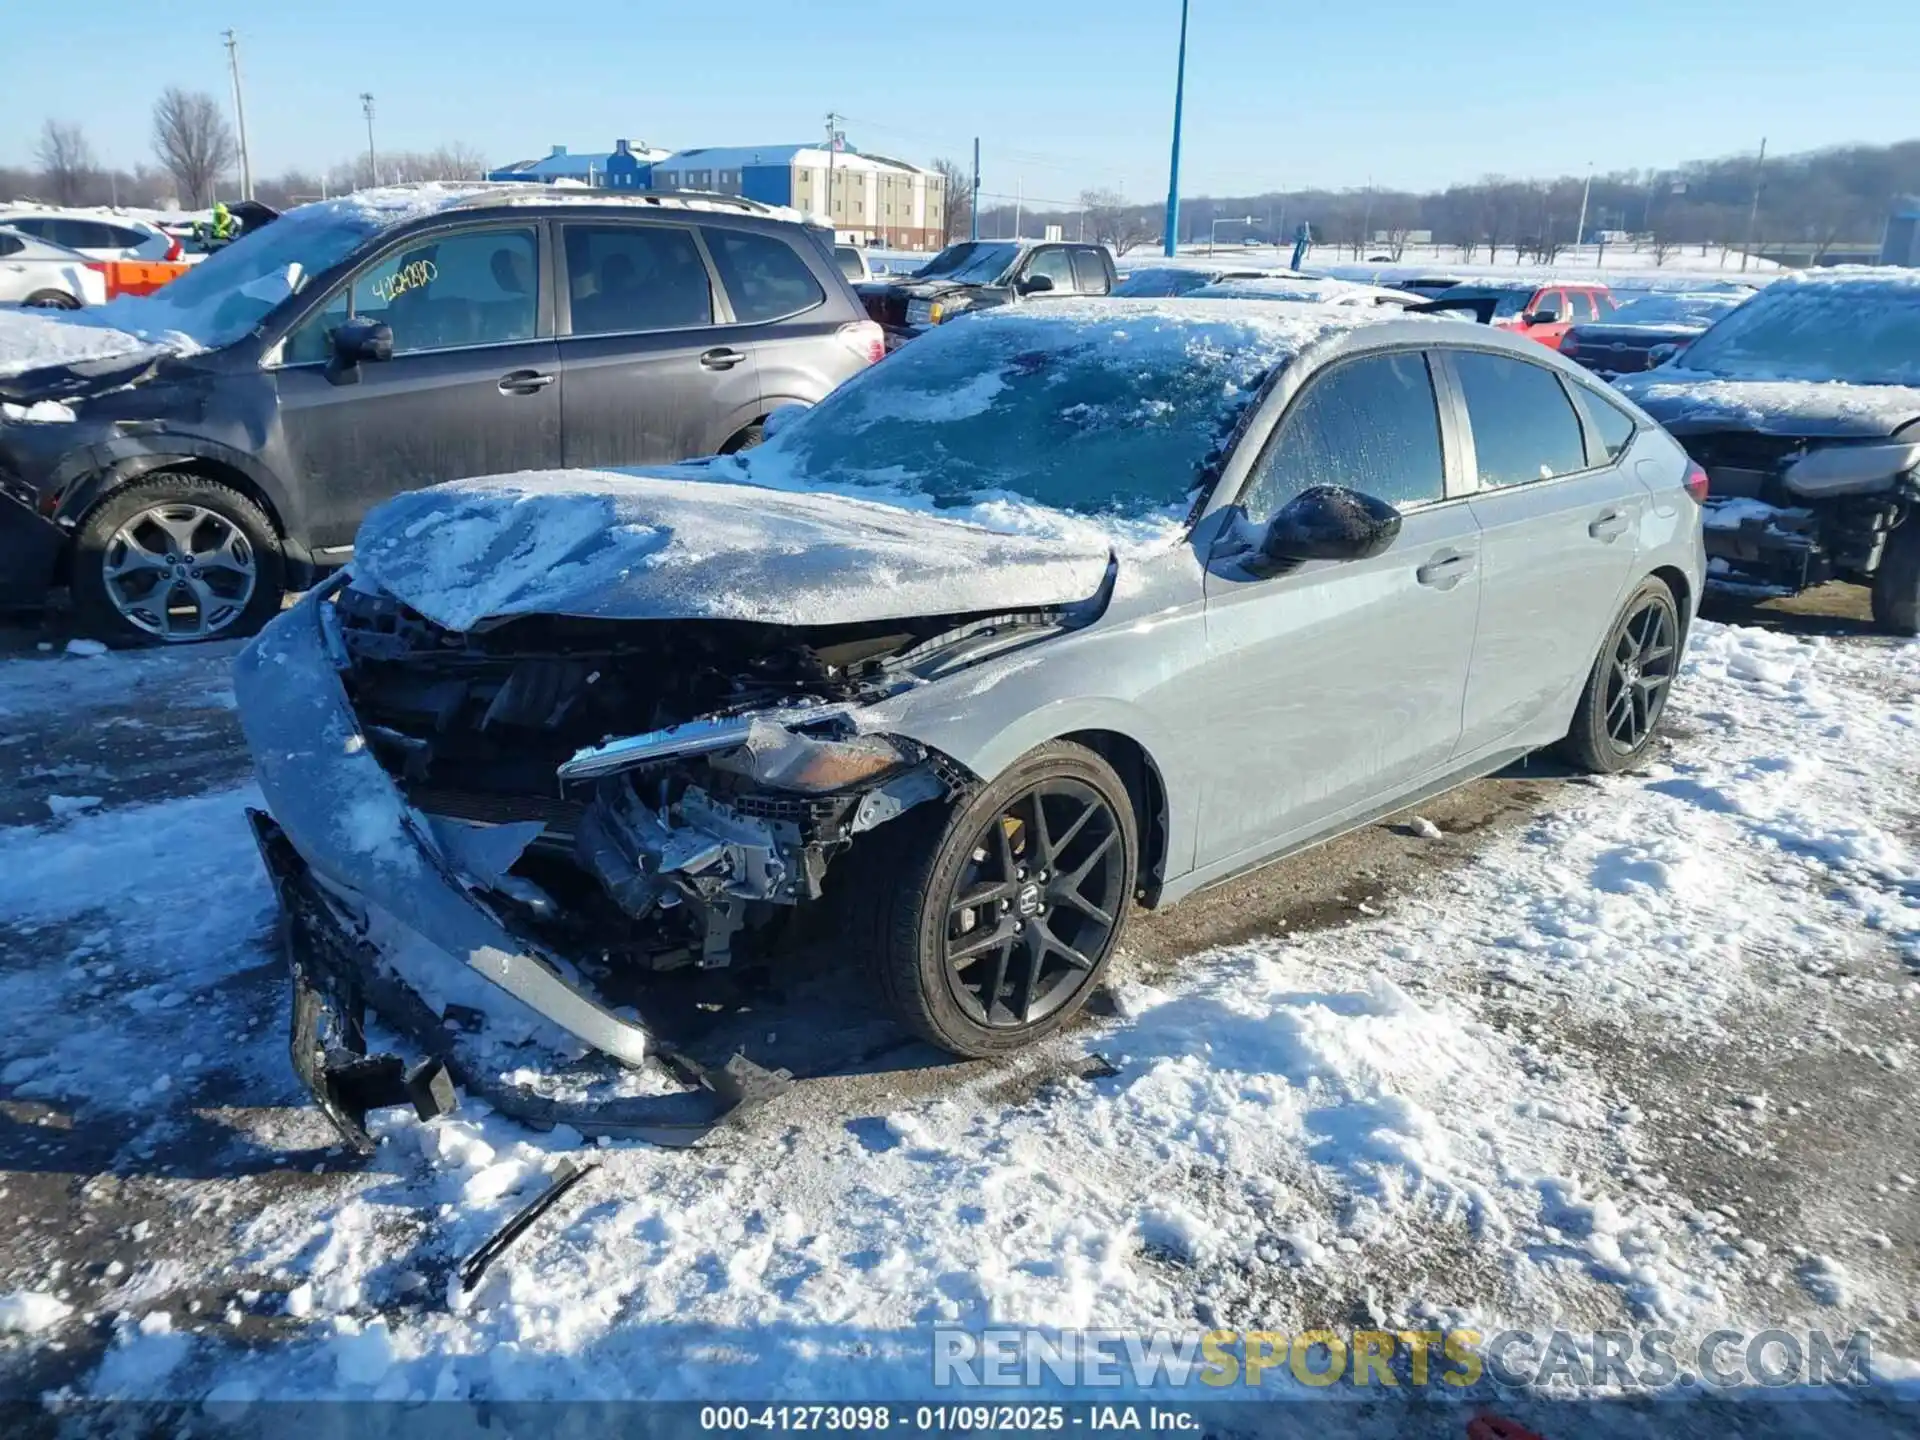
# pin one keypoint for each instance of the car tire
(753, 435)
(51, 300)
(1626, 691)
(211, 547)
(1896, 583)
(1055, 890)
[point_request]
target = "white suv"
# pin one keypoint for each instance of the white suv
(32, 272)
(94, 236)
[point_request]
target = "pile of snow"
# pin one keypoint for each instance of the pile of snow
(33, 338)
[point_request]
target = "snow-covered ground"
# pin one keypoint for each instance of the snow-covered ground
(1646, 1059)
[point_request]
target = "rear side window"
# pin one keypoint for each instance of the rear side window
(763, 276)
(1609, 425)
(636, 277)
(1368, 424)
(1524, 426)
(11, 244)
(124, 238)
(31, 225)
(84, 235)
(1089, 275)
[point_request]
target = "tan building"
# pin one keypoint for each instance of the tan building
(882, 201)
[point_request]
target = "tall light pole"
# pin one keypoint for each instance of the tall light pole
(973, 208)
(1753, 211)
(1171, 243)
(240, 116)
(1580, 230)
(833, 145)
(373, 164)
(1214, 233)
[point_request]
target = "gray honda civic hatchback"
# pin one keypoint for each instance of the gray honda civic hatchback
(1060, 610)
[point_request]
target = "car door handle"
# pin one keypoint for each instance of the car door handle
(721, 359)
(524, 382)
(1610, 526)
(1445, 570)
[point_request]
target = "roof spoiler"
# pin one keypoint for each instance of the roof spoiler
(1481, 307)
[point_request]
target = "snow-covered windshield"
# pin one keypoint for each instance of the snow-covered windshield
(1860, 334)
(971, 262)
(1098, 407)
(1674, 309)
(1508, 303)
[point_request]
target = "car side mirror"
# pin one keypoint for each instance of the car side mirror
(1543, 317)
(1330, 522)
(1661, 354)
(362, 338)
(1036, 284)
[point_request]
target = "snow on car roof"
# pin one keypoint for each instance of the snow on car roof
(1866, 279)
(1323, 290)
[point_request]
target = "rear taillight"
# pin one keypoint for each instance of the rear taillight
(174, 248)
(98, 266)
(865, 339)
(1696, 483)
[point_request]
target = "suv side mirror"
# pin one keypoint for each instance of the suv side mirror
(1035, 284)
(1330, 522)
(1542, 317)
(362, 338)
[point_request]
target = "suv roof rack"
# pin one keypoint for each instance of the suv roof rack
(497, 190)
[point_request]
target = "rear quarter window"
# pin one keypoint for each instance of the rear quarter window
(1610, 428)
(765, 277)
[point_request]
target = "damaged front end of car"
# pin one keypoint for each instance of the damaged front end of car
(571, 807)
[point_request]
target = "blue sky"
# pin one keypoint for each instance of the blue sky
(1064, 94)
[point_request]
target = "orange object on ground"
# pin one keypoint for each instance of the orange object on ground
(139, 277)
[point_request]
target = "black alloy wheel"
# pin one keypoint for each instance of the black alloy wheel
(1644, 655)
(989, 922)
(1626, 691)
(1033, 911)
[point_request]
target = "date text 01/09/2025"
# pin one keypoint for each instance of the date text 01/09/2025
(942, 1418)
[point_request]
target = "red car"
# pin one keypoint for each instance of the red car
(1539, 312)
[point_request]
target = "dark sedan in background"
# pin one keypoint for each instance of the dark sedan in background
(1644, 331)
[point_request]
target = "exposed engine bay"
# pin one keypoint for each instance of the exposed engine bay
(1790, 513)
(653, 794)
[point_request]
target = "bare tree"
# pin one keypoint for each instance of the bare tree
(1112, 222)
(66, 159)
(959, 191)
(192, 140)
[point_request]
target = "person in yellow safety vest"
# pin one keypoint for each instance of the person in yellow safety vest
(220, 232)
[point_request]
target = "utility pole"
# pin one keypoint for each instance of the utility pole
(1580, 230)
(1366, 222)
(1753, 211)
(973, 210)
(1019, 202)
(1170, 244)
(240, 116)
(833, 145)
(373, 163)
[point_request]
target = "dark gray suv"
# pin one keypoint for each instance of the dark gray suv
(374, 344)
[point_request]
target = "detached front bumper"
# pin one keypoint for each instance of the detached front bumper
(341, 837)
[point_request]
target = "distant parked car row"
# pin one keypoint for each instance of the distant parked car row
(34, 272)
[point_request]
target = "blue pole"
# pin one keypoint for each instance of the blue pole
(974, 208)
(1172, 241)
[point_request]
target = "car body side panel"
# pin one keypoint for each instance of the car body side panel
(1130, 672)
(1337, 683)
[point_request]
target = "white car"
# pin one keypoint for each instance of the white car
(32, 272)
(97, 237)
(853, 263)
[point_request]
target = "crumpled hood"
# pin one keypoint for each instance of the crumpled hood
(84, 378)
(1691, 401)
(606, 545)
